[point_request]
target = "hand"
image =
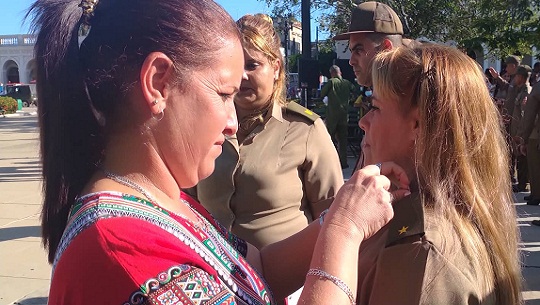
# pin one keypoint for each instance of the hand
(364, 204)
(493, 73)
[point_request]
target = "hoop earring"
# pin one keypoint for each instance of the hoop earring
(159, 116)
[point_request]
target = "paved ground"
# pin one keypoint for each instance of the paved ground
(24, 272)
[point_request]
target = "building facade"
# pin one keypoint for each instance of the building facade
(17, 59)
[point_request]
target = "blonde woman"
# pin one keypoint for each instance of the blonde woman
(280, 170)
(454, 240)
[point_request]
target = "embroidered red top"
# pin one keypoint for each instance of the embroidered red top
(120, 249)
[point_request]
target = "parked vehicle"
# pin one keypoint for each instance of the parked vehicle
(22, 92)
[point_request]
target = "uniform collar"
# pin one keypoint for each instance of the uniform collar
(276, 112)
(408, 219)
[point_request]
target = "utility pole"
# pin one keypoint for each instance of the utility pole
(305, 66)
(287, 29)
(306, 29)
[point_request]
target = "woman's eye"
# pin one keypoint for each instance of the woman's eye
(372, 107)
(251, 66)
(226, 96)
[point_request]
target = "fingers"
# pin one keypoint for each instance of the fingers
(493, 72)
(363, 204)
(395, 173)
(399, 194)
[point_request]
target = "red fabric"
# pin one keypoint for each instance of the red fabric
(128, 250)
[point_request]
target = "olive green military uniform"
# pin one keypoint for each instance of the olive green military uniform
(417, 258)
(283, 175)
(338, 91)
(513, 107)
(529, 130)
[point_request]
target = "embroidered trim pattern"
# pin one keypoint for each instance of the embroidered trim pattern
(211, 246)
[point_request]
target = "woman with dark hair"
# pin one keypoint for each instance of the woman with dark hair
(136, 98)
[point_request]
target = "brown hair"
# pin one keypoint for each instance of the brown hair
(460, 156)
(73, 82)
(259, 33)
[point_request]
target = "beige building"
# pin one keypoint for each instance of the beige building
(291, 32)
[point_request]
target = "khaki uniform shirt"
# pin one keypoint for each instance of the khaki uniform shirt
(277, 181)
(416, 259)
(530, 124)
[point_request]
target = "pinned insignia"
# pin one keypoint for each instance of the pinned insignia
(298, 109)
(403, 230)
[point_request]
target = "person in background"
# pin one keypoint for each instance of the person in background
(527, 139)
(454, 240)
(280, 170)
(132, 113)
(515, 104)
(515, 91)
(338, 90)
(374, 27)
(535, 75)
(503, 82)
(490, 82)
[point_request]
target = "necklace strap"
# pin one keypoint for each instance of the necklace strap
(126, 182)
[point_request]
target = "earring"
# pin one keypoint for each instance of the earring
(155, 102)
(159, 116)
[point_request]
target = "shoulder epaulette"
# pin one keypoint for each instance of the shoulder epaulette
(408, 220)
(298, 109)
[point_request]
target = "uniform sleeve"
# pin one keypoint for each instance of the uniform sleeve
(326, 88)
(322, 171)
(532, 109)
(415, 274)
(502, 83)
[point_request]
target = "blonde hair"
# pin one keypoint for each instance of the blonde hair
(259, 33)
(461, 156)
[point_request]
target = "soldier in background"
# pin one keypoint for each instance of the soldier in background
(338, 90)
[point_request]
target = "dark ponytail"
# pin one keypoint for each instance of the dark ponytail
(74, 83)
(71, 141)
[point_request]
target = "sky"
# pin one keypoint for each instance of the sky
(12, 14)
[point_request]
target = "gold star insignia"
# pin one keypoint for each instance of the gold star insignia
(403, 230)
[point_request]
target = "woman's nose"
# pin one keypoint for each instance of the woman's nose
(232, 122)
(363, 123)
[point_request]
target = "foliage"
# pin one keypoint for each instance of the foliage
(503, 27)
(293, 62)
(9, 104)
(326, 60)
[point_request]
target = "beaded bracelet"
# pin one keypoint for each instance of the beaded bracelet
(321, 217)
(335, 280)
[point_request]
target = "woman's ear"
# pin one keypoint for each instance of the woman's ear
(415, 122)
(277, 69)
(156, 76)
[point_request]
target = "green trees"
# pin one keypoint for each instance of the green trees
(502, 26)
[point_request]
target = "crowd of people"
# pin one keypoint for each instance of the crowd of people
(175, 171)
